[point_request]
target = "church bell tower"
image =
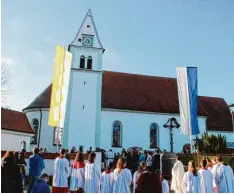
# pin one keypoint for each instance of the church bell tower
(83, 113)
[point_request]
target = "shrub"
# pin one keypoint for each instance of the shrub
(212, 144)
(185, 158)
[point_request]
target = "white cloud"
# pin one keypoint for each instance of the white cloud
(8, 61)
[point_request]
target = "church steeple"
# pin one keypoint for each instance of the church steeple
(87, 35)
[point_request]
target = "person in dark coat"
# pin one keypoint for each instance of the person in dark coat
(18, 162)
(22, 160)
(134, 161)
(149, 182)
(11, 181)
(41, 185)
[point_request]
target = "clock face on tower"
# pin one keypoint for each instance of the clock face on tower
(87, 41)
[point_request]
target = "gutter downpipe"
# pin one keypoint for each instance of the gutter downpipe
(39, 138)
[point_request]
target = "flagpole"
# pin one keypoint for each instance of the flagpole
(60, 100)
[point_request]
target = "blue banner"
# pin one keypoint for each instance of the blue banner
(193, 101)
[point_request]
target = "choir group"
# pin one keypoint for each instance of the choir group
(216, 178)
(88, 177)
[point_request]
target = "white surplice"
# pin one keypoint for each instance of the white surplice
(206, 181)
(107, 182)
(134, 180)
(122, 181)
(220, 179)
(177, 177)
(165, 186)
(61, 170)
(191, 183)
(229, 176)
(77, 176)
(92, 178)
(214, 172)
(229, 179)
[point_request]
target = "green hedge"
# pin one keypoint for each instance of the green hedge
(186, 158)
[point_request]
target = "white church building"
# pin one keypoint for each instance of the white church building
(118, 110)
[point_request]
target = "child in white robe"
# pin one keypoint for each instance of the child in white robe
(164, 182)
(137, 175)
(191, 180)
(77, 173)
(122, 177)
(221, 177)
(214, 172)
(165, 186)
(107, 180)
(177, 176)
(61, 170)
(206, 178)
(92, 175)
(228, 172)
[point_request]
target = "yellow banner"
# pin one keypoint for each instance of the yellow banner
(60, 86)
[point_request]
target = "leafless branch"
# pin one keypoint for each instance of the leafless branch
(5, 82)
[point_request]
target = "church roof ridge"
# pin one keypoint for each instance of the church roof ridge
(4, 108)
(135, 74)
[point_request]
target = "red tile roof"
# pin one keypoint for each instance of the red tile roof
(152, 94)
(15, 121)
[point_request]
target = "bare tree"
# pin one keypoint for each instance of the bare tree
(5, 82)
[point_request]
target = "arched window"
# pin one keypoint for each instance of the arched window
(153, 135)
(82, 62)
(117, 134)
(89, 63)
(35, 126)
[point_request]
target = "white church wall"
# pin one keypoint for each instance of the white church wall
(13, 140)
(136, 129)
(82, 112)
(46, 133)
(136, 126)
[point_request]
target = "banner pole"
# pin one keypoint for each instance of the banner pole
(60, 100)
(191, 142)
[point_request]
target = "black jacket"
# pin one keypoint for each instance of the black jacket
(11, 181)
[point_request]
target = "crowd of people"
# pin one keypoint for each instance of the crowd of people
(129, 171)
(212, 177)
(118, 178)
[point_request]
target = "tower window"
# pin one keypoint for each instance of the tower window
(88, 26)
(82, 62)
(89, 63)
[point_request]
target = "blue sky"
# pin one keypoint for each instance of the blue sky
(149, 37)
